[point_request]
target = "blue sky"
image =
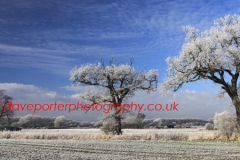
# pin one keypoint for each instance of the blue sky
(41, 41)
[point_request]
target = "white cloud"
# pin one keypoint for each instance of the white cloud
(30, 94)
(191, 104)
(79, 89)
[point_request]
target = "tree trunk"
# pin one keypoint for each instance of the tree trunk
(118, 127)
(236, 103)
(238, 118)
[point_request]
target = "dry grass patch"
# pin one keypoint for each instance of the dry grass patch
(216, 136)
(128, 134)
(71, 135)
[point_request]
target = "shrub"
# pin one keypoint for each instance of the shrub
(160, 126)
(98, 124)
(226, 123)
(139, 120)
(176, 137)
(60, 122)
(109, 128)
(146, 127)
(210, 120)
(178, 126)
(209, 126)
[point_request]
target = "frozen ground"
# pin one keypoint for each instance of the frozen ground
(112, 149)
(189, 131)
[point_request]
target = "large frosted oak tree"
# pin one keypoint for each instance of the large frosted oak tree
(214, 55)
(118, 82)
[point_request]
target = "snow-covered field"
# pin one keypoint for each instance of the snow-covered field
(112, 149)
(86, 144)
(189, 131)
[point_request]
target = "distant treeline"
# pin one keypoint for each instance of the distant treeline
(178, 122)
(35, 121)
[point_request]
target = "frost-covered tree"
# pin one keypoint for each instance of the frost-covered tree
(6, 111)
(34, 121)
(139, 120)
(226, 123)
(118, 82)
(60, 122)
(214, 55)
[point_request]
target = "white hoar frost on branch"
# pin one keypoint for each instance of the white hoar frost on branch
(118, 82)
(211, 55)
